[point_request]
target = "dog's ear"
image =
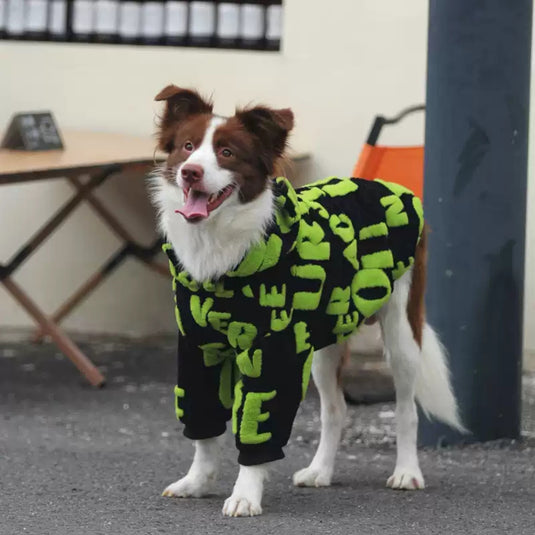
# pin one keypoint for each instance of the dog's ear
(270, 126)
(179, 104)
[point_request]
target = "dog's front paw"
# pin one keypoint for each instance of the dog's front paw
(189, 487)
(312, 477)
(406, 479)
(241, 506)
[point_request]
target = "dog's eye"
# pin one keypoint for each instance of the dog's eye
(188, 146)
(226, 153)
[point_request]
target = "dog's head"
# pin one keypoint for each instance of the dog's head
(214, 160)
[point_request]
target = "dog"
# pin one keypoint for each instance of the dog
(270, 282)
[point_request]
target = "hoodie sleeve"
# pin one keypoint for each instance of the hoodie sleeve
(275, 372)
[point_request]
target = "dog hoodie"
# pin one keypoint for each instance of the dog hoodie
(328, 261)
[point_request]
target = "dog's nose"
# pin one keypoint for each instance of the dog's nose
(191, 173)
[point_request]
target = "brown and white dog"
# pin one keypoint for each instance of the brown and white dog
(214, 201)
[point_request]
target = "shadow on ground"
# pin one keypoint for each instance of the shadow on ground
(75, 460)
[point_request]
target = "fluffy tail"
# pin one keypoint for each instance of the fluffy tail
(433, 386)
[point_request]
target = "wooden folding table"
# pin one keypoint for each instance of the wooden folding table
(98, 156)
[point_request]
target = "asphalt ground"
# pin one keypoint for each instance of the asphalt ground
(76, 460)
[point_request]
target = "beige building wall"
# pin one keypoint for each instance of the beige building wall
(342, 63)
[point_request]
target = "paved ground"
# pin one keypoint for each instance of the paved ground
(74, 460)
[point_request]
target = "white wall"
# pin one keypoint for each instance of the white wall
(342, 62)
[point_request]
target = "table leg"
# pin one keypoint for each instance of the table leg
(118, 229)
(144, 254)
(47, 325)
(103, 212)
(157, 268)
(71, 303)
(50, 226)
(88, 369)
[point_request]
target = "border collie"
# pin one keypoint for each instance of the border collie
(270, 282)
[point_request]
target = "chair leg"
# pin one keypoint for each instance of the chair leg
(88, 369)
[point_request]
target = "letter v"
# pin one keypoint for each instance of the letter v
(199, 310)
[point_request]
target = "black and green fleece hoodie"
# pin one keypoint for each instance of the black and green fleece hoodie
(246, 341)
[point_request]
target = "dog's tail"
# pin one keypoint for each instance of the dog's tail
(434, 392)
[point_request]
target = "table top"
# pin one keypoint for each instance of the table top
(84, 151)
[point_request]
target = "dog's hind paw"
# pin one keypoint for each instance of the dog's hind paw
(188, 487)
(240, 506)
(312, 477)
(406, 479)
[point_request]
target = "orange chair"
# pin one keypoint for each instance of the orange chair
(404, 165)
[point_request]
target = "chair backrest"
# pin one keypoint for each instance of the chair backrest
(403, 165)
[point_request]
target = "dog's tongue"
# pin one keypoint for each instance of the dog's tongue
(196, 206)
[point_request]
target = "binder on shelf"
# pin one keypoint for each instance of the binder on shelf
(176, 22)
(228, 24)
(253, 22)
(130, 21)
(274, 17)
(2, 18)
(106, 16)
(35, 19)
(202, 22)
(246, 24)
(14, 17)
(152, 22)
(58, 13)
(83, 20)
